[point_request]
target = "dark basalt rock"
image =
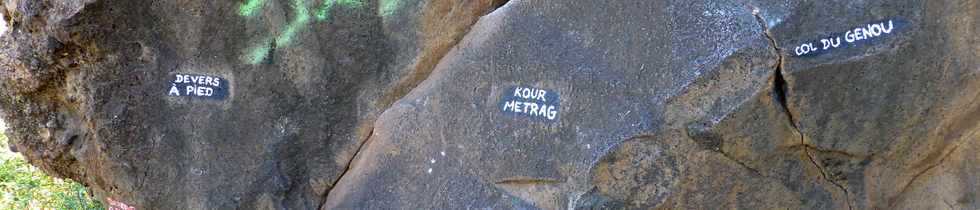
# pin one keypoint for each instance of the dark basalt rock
(87, 90)
(399, 104)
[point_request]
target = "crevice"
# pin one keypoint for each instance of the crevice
(779, 88)
(713, 142)
(823, 174)
(443, 25)
(347, 167)
(746, 166)
(831, 151)
(779, 95)
(894, 200)
(497, 4)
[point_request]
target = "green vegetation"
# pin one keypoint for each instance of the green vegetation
(23, 186)
(249, 8)
(302, 17)
(388, 7)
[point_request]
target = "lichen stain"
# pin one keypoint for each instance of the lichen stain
(260, 51)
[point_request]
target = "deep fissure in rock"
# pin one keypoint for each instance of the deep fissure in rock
(779, 91)
(444, 24)
(437, 47)
(779, 95)
(347, 167)
(497, 4)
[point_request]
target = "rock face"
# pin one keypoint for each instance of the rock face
(462, 104)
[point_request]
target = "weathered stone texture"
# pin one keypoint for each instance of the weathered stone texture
(400, 104)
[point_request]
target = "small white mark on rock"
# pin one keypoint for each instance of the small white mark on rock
(443, 153)
(588, 146)
(432, 160)
(429, 171)
(3, 27)
(197, 171)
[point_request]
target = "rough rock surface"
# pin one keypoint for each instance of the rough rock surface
(406, 104)
(86, 91)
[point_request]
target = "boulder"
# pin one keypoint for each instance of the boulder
(212, 105)
(490, 104)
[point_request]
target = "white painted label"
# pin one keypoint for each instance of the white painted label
(531, 102)
(198, 86)
(852, 37)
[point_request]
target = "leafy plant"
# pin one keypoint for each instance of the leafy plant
(23, 186)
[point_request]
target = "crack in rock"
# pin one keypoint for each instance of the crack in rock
(348, 166)
(823, 174)
(894, 200)
(444, 26)
(780, 90)
(437, 44)
(746, 166)
(837, 152)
